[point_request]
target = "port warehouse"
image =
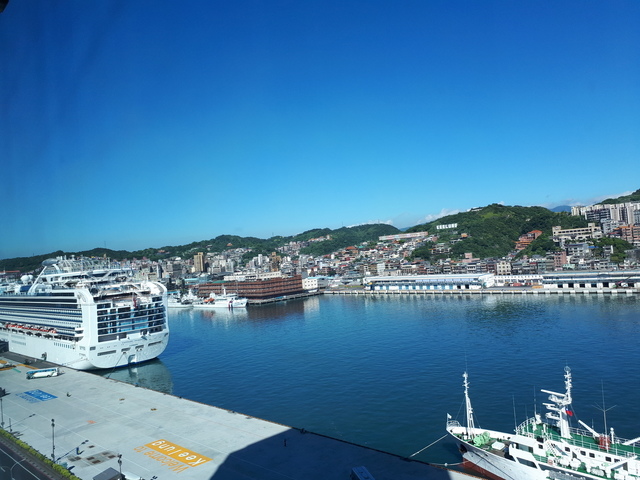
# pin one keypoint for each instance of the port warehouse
(554, 280)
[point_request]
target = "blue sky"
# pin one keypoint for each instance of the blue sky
(151, 123)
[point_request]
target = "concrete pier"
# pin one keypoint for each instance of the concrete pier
(489, 291)
(89, 423)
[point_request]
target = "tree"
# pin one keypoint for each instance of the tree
(619, 248)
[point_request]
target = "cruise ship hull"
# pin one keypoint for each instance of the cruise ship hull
(126, 352)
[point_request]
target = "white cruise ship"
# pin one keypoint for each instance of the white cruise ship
(85, 314)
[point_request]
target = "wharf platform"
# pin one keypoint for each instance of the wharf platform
(490, 291)
(89, 423)
(282, 298)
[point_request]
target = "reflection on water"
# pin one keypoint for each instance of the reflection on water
(222, 316)
(153, 375)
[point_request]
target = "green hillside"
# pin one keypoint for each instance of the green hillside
(492, 231)
(634, 197)
(346, 236)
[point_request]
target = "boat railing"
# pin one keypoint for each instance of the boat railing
(527, 428)
(579, 437)
(453, 424)
(584, 438)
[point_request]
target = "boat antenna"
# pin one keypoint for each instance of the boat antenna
(515, 422)
(603, 409)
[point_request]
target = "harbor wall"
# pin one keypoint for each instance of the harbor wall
(490, 291)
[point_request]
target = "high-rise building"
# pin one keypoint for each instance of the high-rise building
(623, 213)
(198, 262)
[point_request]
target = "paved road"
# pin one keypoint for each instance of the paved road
(16, 464)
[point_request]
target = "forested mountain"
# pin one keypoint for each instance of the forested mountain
(492, 231)
(346, 236)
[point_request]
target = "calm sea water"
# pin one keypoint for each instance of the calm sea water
(385, 371)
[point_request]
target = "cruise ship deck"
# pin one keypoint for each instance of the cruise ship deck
(86, 422)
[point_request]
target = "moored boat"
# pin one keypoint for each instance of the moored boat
(546, 449)
(175, 300)
(223, 300)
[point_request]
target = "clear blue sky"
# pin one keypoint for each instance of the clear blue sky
(134, 124)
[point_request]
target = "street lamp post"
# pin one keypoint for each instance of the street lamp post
(3, 392)
(120, 466)
(19, 422)
(53, 440)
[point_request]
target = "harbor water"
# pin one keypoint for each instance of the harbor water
(385, 371)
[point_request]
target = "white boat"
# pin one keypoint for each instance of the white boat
(85, 314)
(223, 300)
(545, 450)
(175, 300)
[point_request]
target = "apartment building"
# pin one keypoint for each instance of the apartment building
(623, 213)
(629, 233)
(576, 234)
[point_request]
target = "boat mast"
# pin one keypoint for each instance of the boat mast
(558, 410)
(469, 409)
